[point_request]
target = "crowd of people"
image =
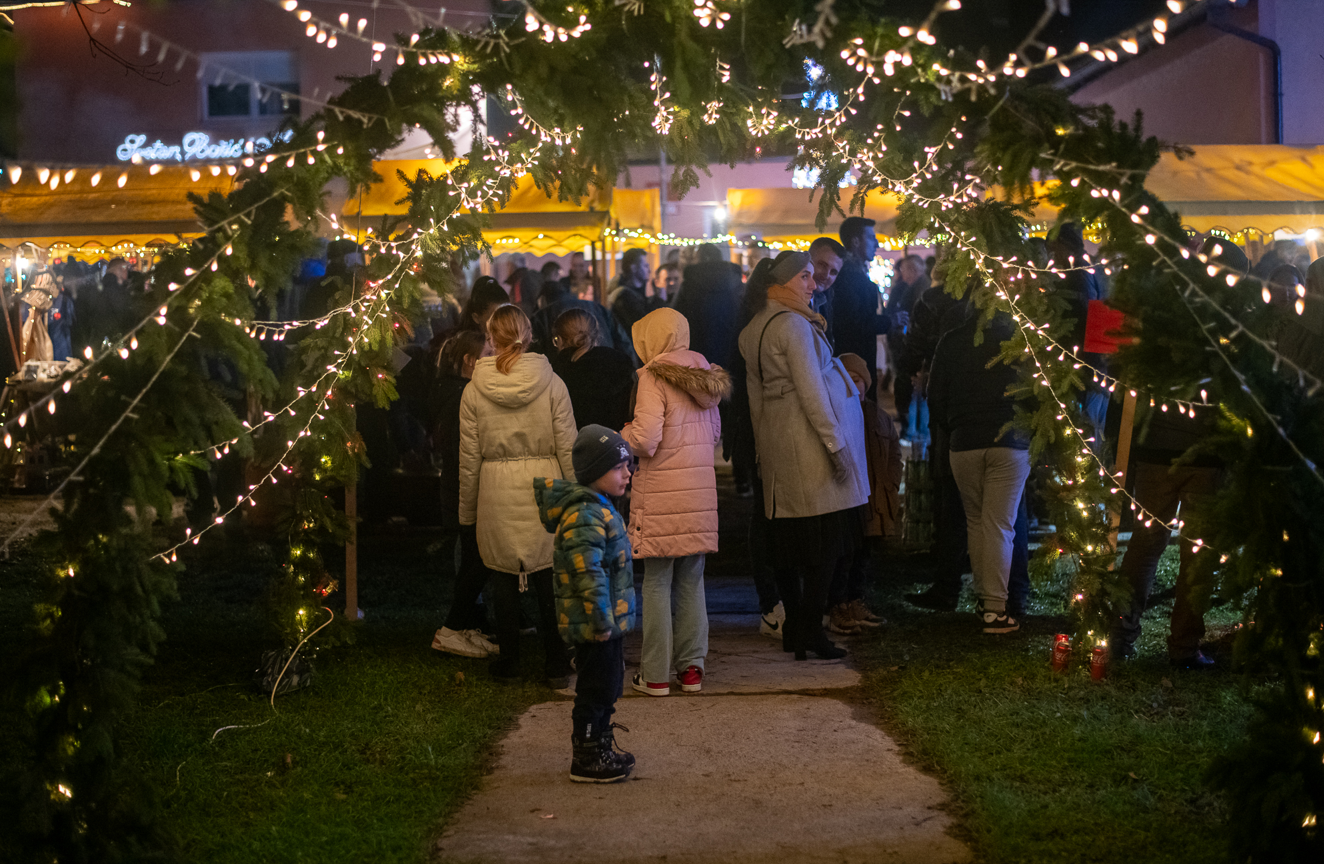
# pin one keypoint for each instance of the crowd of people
(545, 406)
(570, 466)
(572, 437)
(58, 311)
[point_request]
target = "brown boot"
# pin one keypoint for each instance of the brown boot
(864, 616)
(841, 621)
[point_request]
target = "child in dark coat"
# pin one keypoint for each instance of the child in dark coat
(594, 585)
(600, 379)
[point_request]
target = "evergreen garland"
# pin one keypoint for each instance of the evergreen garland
(933, 125)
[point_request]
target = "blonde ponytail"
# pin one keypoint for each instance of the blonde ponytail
(511, 333)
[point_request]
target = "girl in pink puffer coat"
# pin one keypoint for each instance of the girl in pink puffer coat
(673, 505)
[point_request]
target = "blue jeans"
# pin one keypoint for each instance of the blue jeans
(673, 640)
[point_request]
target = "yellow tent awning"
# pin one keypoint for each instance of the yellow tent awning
(637, 209)
(148, 210)
(790, 215)
(532, 218)
(1235, 188)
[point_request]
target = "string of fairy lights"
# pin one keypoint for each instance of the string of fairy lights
(377, 301)
(762, 120)
(1006, 293)
(128, 342)
(1213, 268)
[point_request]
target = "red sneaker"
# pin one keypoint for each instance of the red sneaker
(648, 688)
(691, 680)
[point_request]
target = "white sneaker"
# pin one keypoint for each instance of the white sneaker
(480, 640)
(774, 623)
(457, 642)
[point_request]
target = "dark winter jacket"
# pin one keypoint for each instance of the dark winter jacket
(903, 298)
(444, 412)
(856, 322)
(59, 324)
(628, 306)
(600, 384)
(709, 299)
(966, 394)
(926, 319)
(1078, 288)
(1164, 436)
(591, 560)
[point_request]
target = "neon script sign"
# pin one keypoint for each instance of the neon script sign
(196, 146)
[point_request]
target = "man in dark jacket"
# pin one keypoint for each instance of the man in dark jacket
(630, 301)
(969, 397)
(827, 256)
(1161, 486)
(709, 299)
(912, 280)
(856, 321)
(1079, 285)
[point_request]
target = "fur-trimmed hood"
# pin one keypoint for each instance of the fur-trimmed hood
(706, 387)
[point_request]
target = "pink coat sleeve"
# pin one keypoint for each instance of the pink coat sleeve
(644, 432)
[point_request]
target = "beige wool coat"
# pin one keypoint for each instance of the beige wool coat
(676, 426)
(513, 428)
(804, 406)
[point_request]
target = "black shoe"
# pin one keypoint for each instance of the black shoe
(998, 622)
(934, 599)
(596, 761)
(1194, 663)
(560, 682)
(821, 647)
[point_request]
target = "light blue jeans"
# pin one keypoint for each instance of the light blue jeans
(673, 640)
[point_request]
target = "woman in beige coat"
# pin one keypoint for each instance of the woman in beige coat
(809, 432)
(673, 505)
(516, 423)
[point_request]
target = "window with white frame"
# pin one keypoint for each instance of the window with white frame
(237, 84)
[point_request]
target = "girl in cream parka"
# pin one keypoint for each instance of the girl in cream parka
(673, 506)
(516, 423)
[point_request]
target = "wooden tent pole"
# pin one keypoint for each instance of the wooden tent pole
(1120, 468)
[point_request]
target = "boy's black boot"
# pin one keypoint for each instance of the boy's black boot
(609, 745)
(595, 763)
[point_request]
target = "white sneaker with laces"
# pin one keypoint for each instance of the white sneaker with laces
(457, 642)
(774, 622)
(478, 639)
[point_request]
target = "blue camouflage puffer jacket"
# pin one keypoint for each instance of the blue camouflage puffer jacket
(594, 568)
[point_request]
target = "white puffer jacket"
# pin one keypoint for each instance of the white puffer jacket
(513, 428)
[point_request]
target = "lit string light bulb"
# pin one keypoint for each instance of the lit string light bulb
(707, 13)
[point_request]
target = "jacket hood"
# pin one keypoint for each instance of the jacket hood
(706, 387)
(531, 375)
(555, 496)
(660, 332)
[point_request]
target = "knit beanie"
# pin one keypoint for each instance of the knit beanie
(597, 450)
(855, 366)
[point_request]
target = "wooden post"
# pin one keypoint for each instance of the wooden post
(1123, 457)
(352, 612)
(352, 553)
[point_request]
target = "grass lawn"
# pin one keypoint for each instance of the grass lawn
(1053, 768)
(368, 763)
(363, 766)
